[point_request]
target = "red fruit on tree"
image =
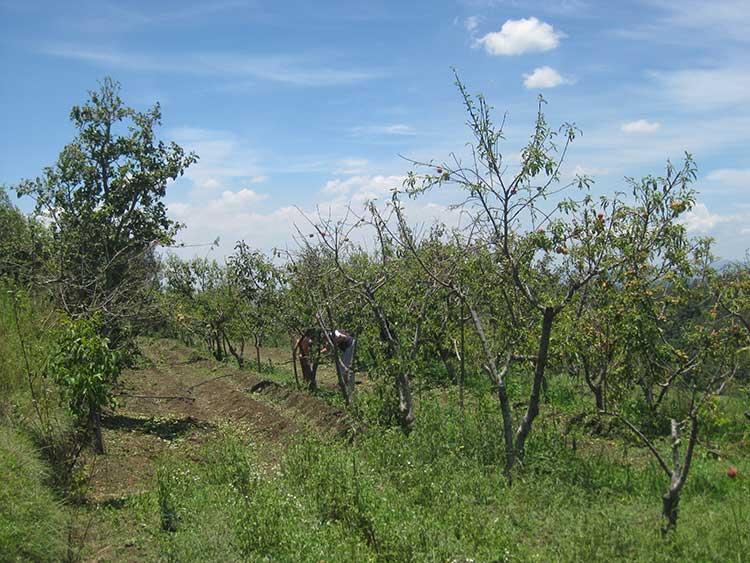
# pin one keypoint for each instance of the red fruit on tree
(732, 472)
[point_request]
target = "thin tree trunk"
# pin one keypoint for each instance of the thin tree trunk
(462, 382)
(498, 378)
(239, 356)
(257, 351)
(405, 403)
(541, 363)
(679, 474)
(599, 398)
(294, 362)
(95, 425)
(595, 386)
(507, 413)
(445, 357)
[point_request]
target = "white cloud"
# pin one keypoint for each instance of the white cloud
(728, 18)
(471, 23)
(640, 126)
(706, 89)
(391, 129)
(302, 70)
(225, 160)
(700, 220)
(730, 177)
(235, 215)
(589, 171)
(349, 166)
(516, 37)
(361, 189)
(230, 200)
(543, 77)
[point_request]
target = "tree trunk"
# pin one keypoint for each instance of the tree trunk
(405, 404)
(541, 363)
(445, 357)
(498, 378)
(239, 356)
(257, 351)
(462, 381)
(670, 510)
(216, 344)
(95, 426)
(507, 413)
(294, 362)
(343, 377)
(599, 398)
(671, 500)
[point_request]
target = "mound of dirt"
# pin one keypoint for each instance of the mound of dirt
(315, 411)
(178, 401)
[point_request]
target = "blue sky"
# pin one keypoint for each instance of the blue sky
(311, 103)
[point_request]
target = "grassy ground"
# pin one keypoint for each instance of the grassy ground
(209, 463)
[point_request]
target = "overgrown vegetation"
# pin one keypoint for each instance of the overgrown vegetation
(534, 382)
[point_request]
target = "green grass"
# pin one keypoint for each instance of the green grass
(437, 495)
(32, 521)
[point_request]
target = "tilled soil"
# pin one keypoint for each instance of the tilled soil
(178, 402)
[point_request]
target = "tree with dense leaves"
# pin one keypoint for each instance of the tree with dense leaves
(255, 284)
(103, 199)
(24, 243)
(86, 369)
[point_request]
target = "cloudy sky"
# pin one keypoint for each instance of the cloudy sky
(305, 104)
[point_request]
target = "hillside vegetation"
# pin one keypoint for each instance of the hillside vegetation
(566, 378)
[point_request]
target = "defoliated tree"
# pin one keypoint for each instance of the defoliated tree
(546, 246)
(103, 200)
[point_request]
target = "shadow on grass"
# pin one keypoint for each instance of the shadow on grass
(164, 428)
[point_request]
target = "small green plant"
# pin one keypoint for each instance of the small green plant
(86, 369)
(167, 497)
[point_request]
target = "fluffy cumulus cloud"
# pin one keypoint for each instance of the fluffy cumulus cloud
(516, 37)
(543, 77)
(250, 216)
(232, 200)
(701, 221)
(640, 126)
(362, 188)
